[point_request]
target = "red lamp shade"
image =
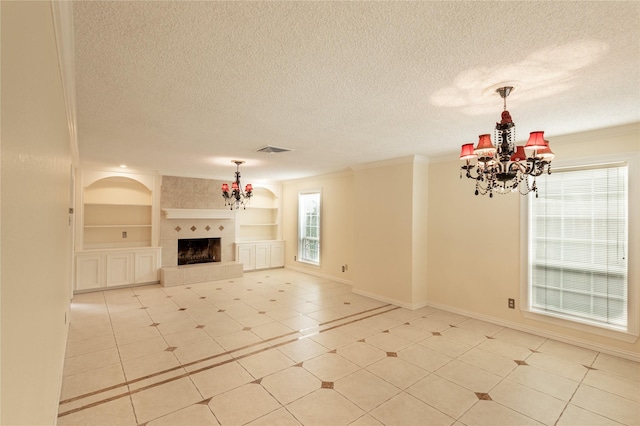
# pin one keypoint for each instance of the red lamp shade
(234, 185)
(545, 153)
(466, 153)
(519, 155)
(248, 188)
(225, 187)
(536, 140)
(485, 148)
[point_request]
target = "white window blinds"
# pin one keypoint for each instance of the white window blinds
(309, 227)
(578, 245)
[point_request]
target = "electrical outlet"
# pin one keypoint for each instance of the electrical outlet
(124, 234)
(512, 303)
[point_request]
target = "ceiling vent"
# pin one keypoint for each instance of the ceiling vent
(273, 149)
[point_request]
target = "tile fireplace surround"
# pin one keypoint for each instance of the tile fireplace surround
(190, 209)
(197, 223)
(279, 347)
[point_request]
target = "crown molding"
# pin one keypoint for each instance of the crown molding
(62, 12)
(409, 159)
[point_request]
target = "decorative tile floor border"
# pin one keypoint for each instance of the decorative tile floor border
(349, 319)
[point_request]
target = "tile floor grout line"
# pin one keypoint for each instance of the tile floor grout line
(576, 390)
(207, 367)
(252, 349)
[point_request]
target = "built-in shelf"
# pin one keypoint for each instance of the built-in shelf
(117, 226)
(199, 214)
(118, 204)
(116, 229)
(260, 220)
(117, 213)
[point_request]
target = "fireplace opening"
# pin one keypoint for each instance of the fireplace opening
(198, 250)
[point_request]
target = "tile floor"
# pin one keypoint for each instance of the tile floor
(282, 348)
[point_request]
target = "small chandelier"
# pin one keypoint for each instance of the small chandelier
(236, 197)
(507, 168)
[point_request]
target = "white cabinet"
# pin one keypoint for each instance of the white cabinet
(246, 254)
(117, 267)
(117, 229)
(277, 254)
(146, 266)
(90, 270)
(260, 254)
(263, 255)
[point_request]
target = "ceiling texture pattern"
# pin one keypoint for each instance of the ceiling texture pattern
(182, 88)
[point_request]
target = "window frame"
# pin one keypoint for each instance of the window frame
(631, 333)
(301, 227)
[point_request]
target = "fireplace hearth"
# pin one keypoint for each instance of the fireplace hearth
(199, 250)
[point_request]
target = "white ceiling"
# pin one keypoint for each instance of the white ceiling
(183, 88)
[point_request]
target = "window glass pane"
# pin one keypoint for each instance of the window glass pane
(578, 244)
(309, 227)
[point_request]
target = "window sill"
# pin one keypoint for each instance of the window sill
(600, 330)
(309, 262)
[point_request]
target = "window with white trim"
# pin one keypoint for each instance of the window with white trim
(309, 227)
(578, 246)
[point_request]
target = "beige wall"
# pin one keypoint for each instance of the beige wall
(419, 243)
(469, 235)
(337, 225)
(383, 225)
(374, 221)
(36, 187)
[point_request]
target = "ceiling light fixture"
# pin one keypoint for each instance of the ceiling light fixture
(237, 197)
(508, 167)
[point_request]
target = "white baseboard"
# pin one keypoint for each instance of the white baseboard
(389, 300)
(633, 356)
(318, 274)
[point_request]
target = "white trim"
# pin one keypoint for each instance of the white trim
(333, 175)
(319, 275)
(576, 324)
(393, 301)
(567, 138)
(300, 230)
(63, 27)
(199, 214)
(632, 332)
(409, 159)
(633, 356)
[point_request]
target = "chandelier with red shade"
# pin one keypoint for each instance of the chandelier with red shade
(506, 168)
(237, 197)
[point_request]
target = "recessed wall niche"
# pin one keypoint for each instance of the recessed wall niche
(117, 213)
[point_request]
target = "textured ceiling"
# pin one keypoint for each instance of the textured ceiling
(183, 88)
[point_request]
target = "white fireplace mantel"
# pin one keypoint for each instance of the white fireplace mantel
(199, 214)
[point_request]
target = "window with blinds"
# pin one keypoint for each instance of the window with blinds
(578, 243)
(309, 227)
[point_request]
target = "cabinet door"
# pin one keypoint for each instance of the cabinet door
(119, 269)
(263, 255)
(146, 266)
(90, 271)
(277, 254)
(246, 255)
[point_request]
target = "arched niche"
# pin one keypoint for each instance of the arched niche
(117, 190)
(263, 198)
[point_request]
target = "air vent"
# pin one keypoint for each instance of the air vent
(273, 149)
